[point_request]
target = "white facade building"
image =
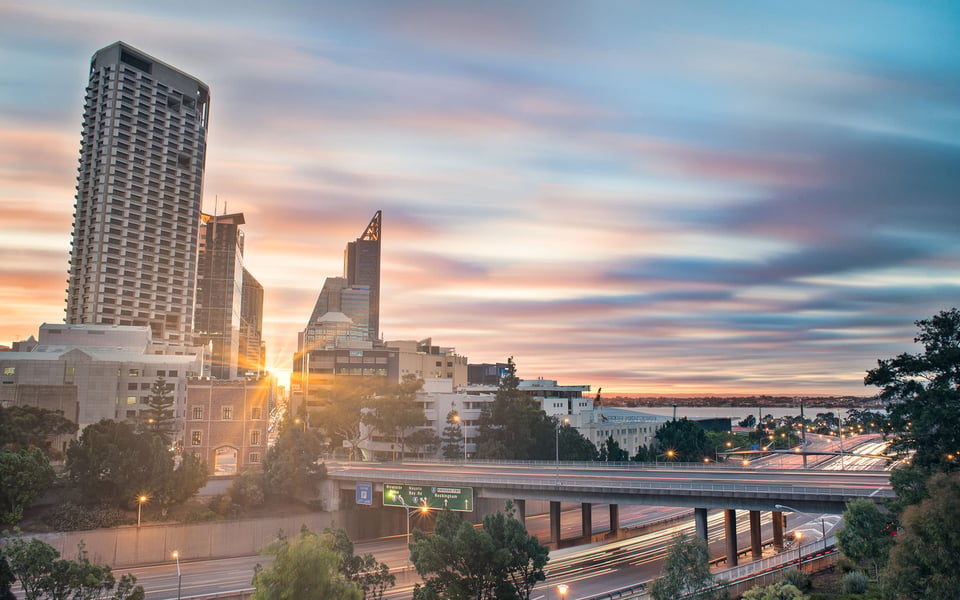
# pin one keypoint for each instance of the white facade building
(93, 372)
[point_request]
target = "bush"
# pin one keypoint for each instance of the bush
(247, 489)
(855, 582)
(221, 505)
(798, 579)
(74, 517)
(845, 565)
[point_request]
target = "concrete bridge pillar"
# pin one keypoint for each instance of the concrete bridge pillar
(778, 523)
(730, 530)
(555, 523)
(756, 541)
(586, 520)
(521, 506)
(700, 518)
(614, 519)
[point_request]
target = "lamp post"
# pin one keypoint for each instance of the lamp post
(411, 510)
(176, 555)
(562, 589)
(140, 500)
(560, 424)
(799, 536)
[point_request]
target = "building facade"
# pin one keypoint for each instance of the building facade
(361, 267)
(138, 201)
(227, 422)
(252, 351)
(94, 372)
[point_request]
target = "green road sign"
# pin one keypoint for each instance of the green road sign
(431, 497)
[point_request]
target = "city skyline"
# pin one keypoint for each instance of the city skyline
(648, 198)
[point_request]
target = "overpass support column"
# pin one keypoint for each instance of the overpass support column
(700, 518)
(614, 519)
(730, 529)
(555, 523)
(586, 520)
(756, 543)
(521, 506)
(777, 517)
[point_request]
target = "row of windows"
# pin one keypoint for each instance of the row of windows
(226, 413)
(196, 437)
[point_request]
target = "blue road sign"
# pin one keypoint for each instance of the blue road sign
(364, 493)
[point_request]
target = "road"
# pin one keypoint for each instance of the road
(588, 570)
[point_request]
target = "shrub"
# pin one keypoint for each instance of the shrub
(74, 517)
(221, 505)
(800, 580)
(845, 565)
(247, 489)
(855, 582)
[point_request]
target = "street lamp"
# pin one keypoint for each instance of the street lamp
(411, 510)
(560, 424)
(140, 500)
(176, 555)
(562, 589)
(799, 536)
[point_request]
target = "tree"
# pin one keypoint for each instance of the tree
(348, 407)
(922, 392)
(6, 579)
(925, 560)
(610, 451)
(513, 426)
(24, 476)
(452, 439)
(397, 411)
(114, 464)
(686, 572)
(158, 419)
(306, 568)
(865, 536)
(749, 421)
(43, 574)
(424, 441)
(461, 562)
(371, 576)
(686, 439)
(292, 465)
(574, 446)
(24, 427)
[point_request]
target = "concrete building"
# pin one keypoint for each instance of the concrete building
(227, 422)
(426, 361)
(137, 212)
(94, 372)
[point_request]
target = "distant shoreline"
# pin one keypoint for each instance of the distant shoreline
(747, 401)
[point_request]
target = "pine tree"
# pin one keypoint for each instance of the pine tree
(159, 418)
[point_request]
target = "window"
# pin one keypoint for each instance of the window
(172, 373)
(161, 373)
(255, 413)
(196, 437)
(226, 413)
(197, 413)
(254, 458)
(255, 437)
(133, 373)
(439, 363)
(9, 370)
(131, 386)
(131, 399)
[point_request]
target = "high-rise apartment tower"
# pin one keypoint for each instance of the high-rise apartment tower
(134, 251)
(362, 268)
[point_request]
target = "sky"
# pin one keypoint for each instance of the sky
(655, 198)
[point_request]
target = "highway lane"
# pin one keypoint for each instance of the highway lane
(594, 569)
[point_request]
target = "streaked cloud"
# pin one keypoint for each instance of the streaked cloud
(648, 197)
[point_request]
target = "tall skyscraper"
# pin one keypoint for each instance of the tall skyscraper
(220, 292)
(137, 213)
(362, 268)
(252, 354)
